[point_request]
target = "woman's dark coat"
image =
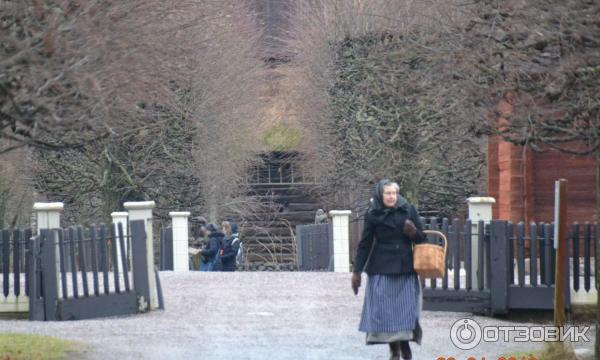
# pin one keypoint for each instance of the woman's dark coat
(230, 248)
(392, 252)
(215, 239)
(231, 245)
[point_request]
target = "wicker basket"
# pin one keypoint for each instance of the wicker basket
(429, 259)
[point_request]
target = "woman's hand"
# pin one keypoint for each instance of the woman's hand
(355, 282)
(410, 229)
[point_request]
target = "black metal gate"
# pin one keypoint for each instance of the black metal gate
(511, 271)
(166, 249)
(314, 247)
(490, 268)
(101, 282)
(458, 290)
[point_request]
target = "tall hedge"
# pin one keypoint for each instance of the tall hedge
(393, 119)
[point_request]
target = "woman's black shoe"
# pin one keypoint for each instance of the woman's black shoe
(405, 350)
(394, 350)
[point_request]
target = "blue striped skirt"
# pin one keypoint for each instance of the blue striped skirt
(391, 308)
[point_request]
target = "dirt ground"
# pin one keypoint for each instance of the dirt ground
(260, 315)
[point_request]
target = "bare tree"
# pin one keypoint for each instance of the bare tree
(137, 100)
(144, 163)
(543, 59)
(223, 105)
(77, 68)
(15, 190)
(379, 101)
(460, 60)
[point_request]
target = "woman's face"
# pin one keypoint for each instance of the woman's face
(390, 196)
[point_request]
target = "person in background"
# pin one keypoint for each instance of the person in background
(198, 231)
(210, 252)
(230, 248)
(393, 296)
(196, 241)
(321, 217)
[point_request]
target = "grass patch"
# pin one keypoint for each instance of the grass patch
(14, 316)
(26, 346)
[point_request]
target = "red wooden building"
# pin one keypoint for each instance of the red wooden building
(522, 182)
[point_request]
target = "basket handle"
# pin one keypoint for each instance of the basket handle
(439, 234)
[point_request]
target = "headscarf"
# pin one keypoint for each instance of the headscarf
(379, 213)
(377, 206)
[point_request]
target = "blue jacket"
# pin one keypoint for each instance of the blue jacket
(215, 240)
(230, 248)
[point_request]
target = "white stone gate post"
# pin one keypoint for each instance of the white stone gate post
(480, 208)
(142, 210)
(341, 240)
(181, 258)
(48, 217)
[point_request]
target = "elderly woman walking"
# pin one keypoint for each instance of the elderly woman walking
(393, 295)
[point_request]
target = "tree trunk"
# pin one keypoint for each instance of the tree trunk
(213, 207)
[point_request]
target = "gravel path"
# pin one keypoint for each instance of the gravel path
(257, 315)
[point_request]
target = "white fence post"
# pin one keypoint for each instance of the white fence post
(181, 259)
(142, 210)
(121, 218)
(341, 240)
(480, 208)
(48, 217)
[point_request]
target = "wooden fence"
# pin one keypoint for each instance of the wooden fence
(166, 249)
(490, 268)
(76, 273)
(14, 263)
